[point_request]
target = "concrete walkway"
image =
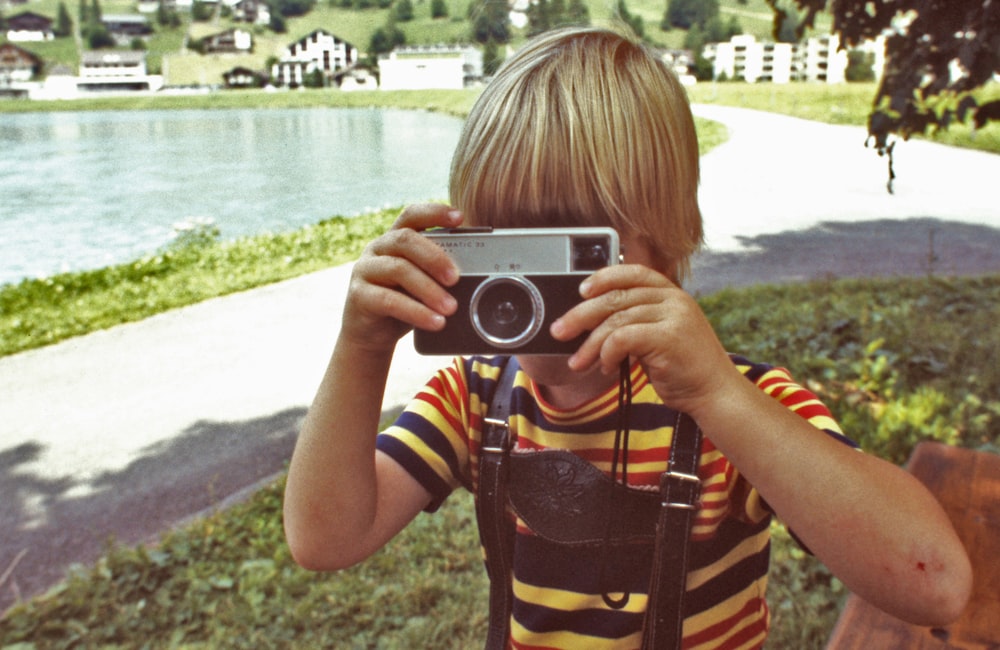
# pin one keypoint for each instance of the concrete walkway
(125, 432)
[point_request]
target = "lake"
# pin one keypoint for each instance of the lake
(82, 190)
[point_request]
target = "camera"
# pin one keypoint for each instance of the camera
(514, 283)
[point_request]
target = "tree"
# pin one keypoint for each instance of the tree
(490, 21)
(403, 10)
(439, 9)
(202, 11)
(937, 54)
(635, 22)
(685, 14)
(492, 58)
(99, 37)
(167, 17)
(64, 24)
(577, 13)
(385, 39)
(860, 66)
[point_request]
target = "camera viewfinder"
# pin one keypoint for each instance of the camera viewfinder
(590, 253)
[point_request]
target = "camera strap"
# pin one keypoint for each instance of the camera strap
(666, 519)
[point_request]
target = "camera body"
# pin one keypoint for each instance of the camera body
(514, 283)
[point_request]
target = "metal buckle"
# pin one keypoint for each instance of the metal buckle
(506, 443)
(671, 479)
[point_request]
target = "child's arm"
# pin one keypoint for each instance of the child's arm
(875, 526)
(344, 501)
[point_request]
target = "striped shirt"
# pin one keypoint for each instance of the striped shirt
(557, 589)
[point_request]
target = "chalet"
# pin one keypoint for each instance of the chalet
(126, 27)
(318, 51)
(252, 11)
(231, 41)
(241, 77)
(433, 66)
(17, 64)
(28, 26)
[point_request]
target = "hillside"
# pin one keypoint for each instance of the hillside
(168, 55)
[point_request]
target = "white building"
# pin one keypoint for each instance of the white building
(321, 51)
(116, 70)
(746, 59)
(430, 66)
(818, 59)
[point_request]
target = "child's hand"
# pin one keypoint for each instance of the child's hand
(398, 282)
(632, 310)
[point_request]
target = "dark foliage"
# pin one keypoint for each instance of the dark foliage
(937, 52)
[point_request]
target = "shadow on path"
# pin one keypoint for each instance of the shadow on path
(918, 246)
(50, 524)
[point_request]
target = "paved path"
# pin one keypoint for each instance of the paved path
(125, 432)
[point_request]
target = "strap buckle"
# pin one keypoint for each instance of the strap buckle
(680, 490)
(499, 432)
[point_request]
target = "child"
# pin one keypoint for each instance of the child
(585, 127)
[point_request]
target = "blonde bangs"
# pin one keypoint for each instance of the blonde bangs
(584, 128)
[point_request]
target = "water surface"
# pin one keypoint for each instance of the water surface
(87, 189)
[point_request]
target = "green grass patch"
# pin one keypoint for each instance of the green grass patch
(34, 313)
(452, 102)
(847, 103)
(922, 346)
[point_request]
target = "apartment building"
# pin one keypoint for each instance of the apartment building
(817, 59)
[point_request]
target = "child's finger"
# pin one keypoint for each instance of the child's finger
(409, 245)
(421, 216)
(420, 281)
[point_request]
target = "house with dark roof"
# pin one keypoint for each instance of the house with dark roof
(231, 40)
(17, 64)
(28, 26)
(243, 77)
(124, 28)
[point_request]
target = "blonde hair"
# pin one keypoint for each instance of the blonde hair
(584, 127)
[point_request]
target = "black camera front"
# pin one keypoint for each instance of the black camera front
(514, 283)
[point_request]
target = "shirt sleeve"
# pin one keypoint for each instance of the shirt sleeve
(777, 383)
(430, 437)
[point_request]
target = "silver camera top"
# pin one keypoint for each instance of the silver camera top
(539, 251)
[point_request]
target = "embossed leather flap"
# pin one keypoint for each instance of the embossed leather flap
(565, 499)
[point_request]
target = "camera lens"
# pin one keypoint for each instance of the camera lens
(507, 311)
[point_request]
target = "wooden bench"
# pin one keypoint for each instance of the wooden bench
(967, 483)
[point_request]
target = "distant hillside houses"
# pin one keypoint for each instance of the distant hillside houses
(818, 59)
(318, 53)
(28, 26)
(17, 65)
(231, 41)
(125, 28)
(431, 66)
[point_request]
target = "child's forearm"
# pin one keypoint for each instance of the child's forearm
(332, 496)
(874, 525)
